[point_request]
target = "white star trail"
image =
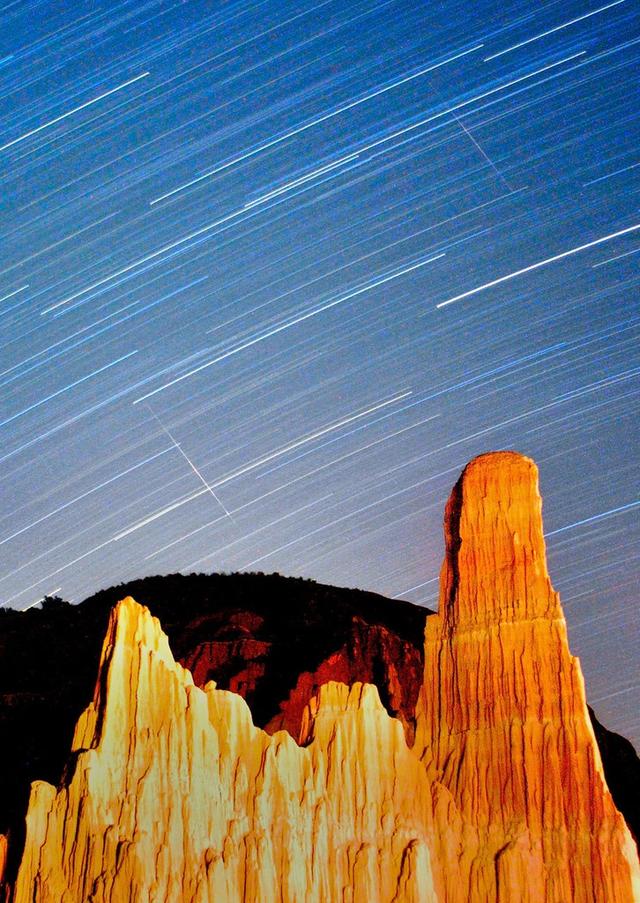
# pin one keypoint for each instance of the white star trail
(83, 106)
(72, 385)
(540, 263)
(188, 460)
(544, 34)
(288, 325)
(310, 125)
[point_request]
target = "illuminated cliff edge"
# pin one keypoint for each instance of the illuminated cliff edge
(177, 796)
(173, 795)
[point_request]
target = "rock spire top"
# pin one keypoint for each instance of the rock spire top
(495, 567)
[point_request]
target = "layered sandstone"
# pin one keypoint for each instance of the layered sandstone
(503, 725)
(173, 795)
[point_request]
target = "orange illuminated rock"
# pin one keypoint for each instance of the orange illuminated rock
(172, 795)
(3, 859)
(503, 728)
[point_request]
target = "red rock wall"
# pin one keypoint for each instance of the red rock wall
(371, 653)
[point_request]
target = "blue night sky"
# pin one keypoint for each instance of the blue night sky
(271, 273)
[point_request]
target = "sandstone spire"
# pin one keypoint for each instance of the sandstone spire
(503, 727)
(495, 569)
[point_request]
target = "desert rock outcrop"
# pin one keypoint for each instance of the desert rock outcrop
(503, 725)
(172, 795)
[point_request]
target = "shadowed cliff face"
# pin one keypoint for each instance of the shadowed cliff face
(501, 797)
(242, 656)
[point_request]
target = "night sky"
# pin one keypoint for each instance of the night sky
(271, 273)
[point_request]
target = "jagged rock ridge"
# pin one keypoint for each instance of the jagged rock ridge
(272, 639)
(174, 795)
(502, 796)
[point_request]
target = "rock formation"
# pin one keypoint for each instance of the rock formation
(370, 649)
(272, 639)
(371, 653)
(503, 727)
(3, 860)
(173, 795)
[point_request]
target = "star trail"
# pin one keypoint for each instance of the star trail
(271, 273)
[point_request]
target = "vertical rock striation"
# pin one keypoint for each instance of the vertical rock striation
(503, 727)
(172, 795)
(3, 865)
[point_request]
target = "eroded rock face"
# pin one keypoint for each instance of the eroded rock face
(255, 634)
(371, 653)
(502, 720)
(173, 795)
(3, 860)
(236, 652)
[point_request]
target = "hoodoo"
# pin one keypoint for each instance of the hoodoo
(503, 727)
(172, 795)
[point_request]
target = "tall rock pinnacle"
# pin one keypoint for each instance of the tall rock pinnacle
(172, 795)
(503, 727)
(495, 570)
